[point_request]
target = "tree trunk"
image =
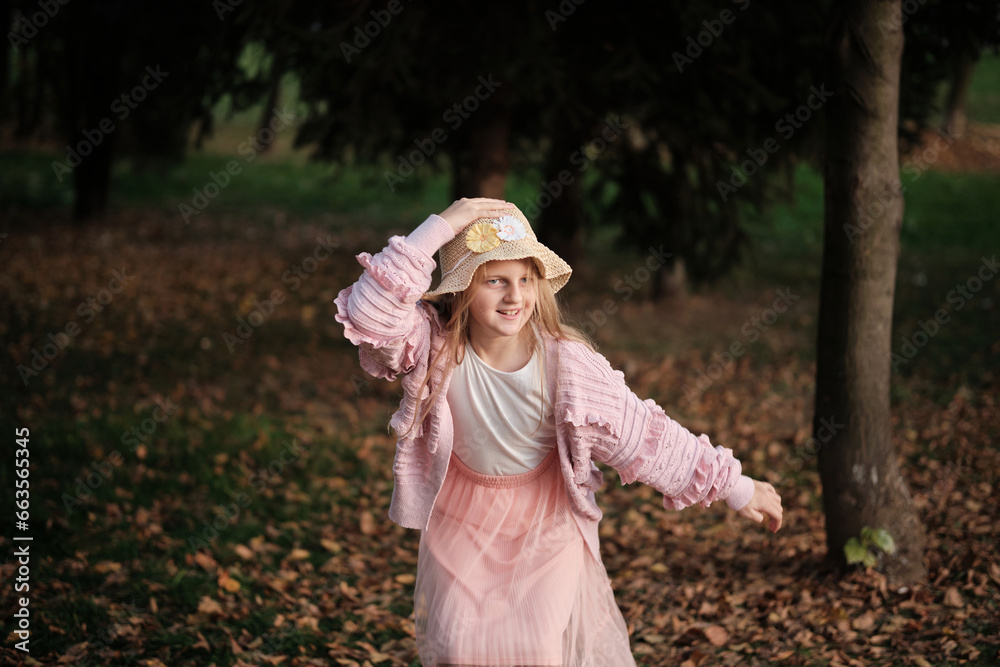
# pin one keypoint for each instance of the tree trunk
(862, 484)
(33, 66)
(677, 204)
(93, 66)
(273, 97)
(6, 16)
(558, 205)
(483, 171)
(560, 224)
(92, 183)
(954, 114)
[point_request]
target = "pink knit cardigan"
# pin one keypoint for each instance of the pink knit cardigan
(597, 417)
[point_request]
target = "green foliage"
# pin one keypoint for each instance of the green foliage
(984, 90)
(868, 549)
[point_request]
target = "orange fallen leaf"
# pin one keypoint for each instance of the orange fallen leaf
(228, 583)
(367, 523)
(864, 622)
(205, 561)
(244, 552)
(717, 635)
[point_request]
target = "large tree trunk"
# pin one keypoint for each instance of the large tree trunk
(93, 64)
(6, 16)
(557, 209)
(273, 98)
(560, 224)
(954, 113)
(483, 171)
(862, 484)
(92, 183)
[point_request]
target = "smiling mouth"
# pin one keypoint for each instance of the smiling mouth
(509, 313)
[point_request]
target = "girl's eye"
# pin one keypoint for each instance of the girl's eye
(493, 281)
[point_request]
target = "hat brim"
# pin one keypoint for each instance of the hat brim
(550, 266)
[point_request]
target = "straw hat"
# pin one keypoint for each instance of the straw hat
(508, 235)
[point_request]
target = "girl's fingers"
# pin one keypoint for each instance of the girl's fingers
(463, 211)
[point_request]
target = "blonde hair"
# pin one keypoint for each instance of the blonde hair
(453, 308)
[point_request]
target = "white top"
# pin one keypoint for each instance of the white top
(496, 416)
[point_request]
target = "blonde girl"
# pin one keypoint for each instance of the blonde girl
(505, 411)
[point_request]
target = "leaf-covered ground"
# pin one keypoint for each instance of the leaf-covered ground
(210, 492)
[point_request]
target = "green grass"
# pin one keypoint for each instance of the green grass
(193, 466)
(949, 226)
(984, 90)
(265, 188)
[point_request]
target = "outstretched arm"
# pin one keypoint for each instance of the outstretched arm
(643, 444)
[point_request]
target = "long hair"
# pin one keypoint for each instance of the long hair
(453, 309)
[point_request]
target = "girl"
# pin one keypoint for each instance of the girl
(505, 409)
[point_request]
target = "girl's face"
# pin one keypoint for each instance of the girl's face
(504, 300)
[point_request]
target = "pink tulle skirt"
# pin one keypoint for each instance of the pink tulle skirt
(504, 577)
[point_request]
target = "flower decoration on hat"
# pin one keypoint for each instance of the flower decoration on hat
(509, 228)
(482, 237)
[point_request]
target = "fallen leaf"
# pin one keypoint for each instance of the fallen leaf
(864, 622)
(717, 635)
(367, 523)
(953, 599)
(244, 552)
(995, 573)
(74, 653)
(228, 583)
(331, 545)
(208, 605)
(205, 561)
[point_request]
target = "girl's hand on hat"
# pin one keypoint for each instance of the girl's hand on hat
(765, 501)
(465, 210)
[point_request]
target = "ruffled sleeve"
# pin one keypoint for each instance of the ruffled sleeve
(382, 313)
(638, 439)
(685, 468)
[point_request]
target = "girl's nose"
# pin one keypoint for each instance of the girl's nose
(514, 293)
